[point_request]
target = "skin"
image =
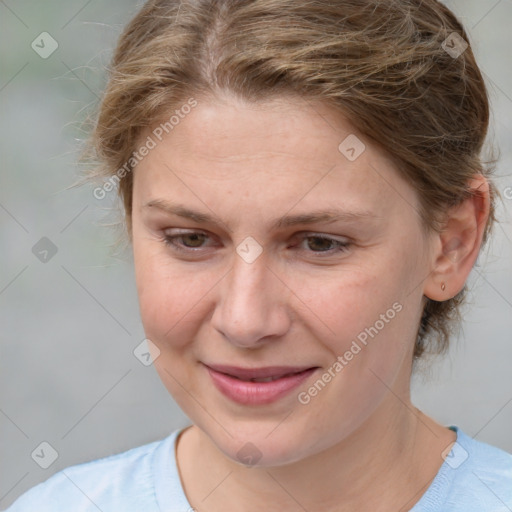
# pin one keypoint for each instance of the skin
(359, 444)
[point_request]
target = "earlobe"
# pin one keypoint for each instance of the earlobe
(458, 244)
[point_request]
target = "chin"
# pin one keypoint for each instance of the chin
(253, 447)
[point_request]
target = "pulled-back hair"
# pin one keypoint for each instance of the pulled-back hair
(383, 64)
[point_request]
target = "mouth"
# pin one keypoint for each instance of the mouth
(257, 386)
(263, 374)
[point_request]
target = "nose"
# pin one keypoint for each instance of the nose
(252, 307)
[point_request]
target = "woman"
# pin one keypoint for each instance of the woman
(305, 197)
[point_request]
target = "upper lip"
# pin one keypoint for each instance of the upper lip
(258, 373)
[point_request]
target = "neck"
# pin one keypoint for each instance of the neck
(387, 464)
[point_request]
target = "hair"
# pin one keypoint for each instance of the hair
(382, 64)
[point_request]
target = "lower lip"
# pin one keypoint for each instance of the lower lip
(257, 393)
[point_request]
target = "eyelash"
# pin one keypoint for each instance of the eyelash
(170, 241)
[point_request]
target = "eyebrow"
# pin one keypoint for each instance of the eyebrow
(328, 215)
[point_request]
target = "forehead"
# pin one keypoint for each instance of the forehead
(279, 154)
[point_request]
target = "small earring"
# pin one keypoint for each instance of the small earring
(443, 286)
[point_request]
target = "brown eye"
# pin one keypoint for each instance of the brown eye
(193, 240)
(186, 241)
(320, 245)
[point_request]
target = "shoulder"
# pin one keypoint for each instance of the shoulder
(488, 464)
(124, 481)
(474, 477)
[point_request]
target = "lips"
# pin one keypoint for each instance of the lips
(258, 386)
(264, 374)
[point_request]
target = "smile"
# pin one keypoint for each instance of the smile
(257, 386)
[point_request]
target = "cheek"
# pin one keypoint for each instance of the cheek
(366, 315)
(171, 297)
(342, 304)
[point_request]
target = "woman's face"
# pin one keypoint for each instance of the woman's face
(305, 251)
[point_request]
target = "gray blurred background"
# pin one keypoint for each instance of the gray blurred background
(70, 321)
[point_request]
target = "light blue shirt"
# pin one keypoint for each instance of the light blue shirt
(474, 477)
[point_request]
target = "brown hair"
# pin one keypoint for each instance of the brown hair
(383, 64)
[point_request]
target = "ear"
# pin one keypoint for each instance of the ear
(456, 248)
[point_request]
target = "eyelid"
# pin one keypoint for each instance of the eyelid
(314, 234)
(304, 234)
(343, 244)
(168, 239)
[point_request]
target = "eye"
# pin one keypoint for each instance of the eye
(187, 241)
(321, 244)
(317, 244)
